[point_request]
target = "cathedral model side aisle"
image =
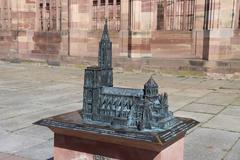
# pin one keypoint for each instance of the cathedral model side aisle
(119, 123)
(141, 109)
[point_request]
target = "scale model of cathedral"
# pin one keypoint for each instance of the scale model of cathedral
(103, 104)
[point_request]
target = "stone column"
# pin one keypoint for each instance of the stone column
(45, 16)
(154, 6)
(64, 27)
(9, 46)
(236, 15)
(214, 26)
(58, 14)
(23, 20)
(125, 26)
(80, 15)
(141, 26)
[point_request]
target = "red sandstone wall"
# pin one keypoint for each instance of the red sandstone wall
(77, 39)
(46, 42)
(175, 44)
(23, 24)
(235, 45)
(8, 44)
(93, 43)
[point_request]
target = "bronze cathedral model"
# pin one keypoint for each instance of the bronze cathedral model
(134, 114)
(142, 109)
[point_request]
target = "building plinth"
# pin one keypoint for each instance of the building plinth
(75, 139)
(172, 152)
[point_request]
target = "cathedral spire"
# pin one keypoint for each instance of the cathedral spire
(105, 35)
(105, 49)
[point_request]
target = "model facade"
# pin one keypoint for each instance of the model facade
(122, 107)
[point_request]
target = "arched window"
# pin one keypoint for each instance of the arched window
(175, 14)
(49, 15)
(160, 16)
(5, 15)
(239, 19)
(106, 9)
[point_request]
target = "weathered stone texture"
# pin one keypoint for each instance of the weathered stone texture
(212, 35)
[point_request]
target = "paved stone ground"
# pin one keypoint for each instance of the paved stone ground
(29, 92)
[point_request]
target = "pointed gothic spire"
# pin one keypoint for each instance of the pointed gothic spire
(105, 49)
(151, 83)
(105, 35)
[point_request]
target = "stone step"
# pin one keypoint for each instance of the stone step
(165, 64)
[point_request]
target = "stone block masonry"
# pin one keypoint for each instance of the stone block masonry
(56, 29)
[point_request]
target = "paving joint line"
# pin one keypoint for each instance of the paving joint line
(226, 154)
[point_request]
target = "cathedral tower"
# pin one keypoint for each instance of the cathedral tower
(105, 58)
(105, 50)
(151, 89)
(97, 77)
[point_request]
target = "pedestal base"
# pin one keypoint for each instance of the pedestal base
(76, 140)
(173, 152)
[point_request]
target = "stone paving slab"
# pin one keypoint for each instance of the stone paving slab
(177, 102)
(24, 121)
(234, 85)
(232, 110)
(218, 98)
(30, 92)
(12, 143)
(209, 144)
(41, 151)
(229, 90)
(66, 99)
(203, 108)
(236, 101)
(169, 90)
(19, 110)
(5, 156)
(211, 84)
(43, 132)
(15, 100)
(3, 131)
(224, 122)
(45, 96)
(201, 117)
(193, 92)
(191, 81)
(234, 154)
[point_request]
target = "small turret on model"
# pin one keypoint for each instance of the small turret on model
(151, 88)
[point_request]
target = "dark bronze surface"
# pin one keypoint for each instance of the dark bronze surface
(123, 108)
(73, 121)
(73, 133)
(115, 121)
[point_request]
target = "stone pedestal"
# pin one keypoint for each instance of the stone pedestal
(173, 152)
(74, 139)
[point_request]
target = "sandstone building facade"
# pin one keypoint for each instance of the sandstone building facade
(204, 29)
